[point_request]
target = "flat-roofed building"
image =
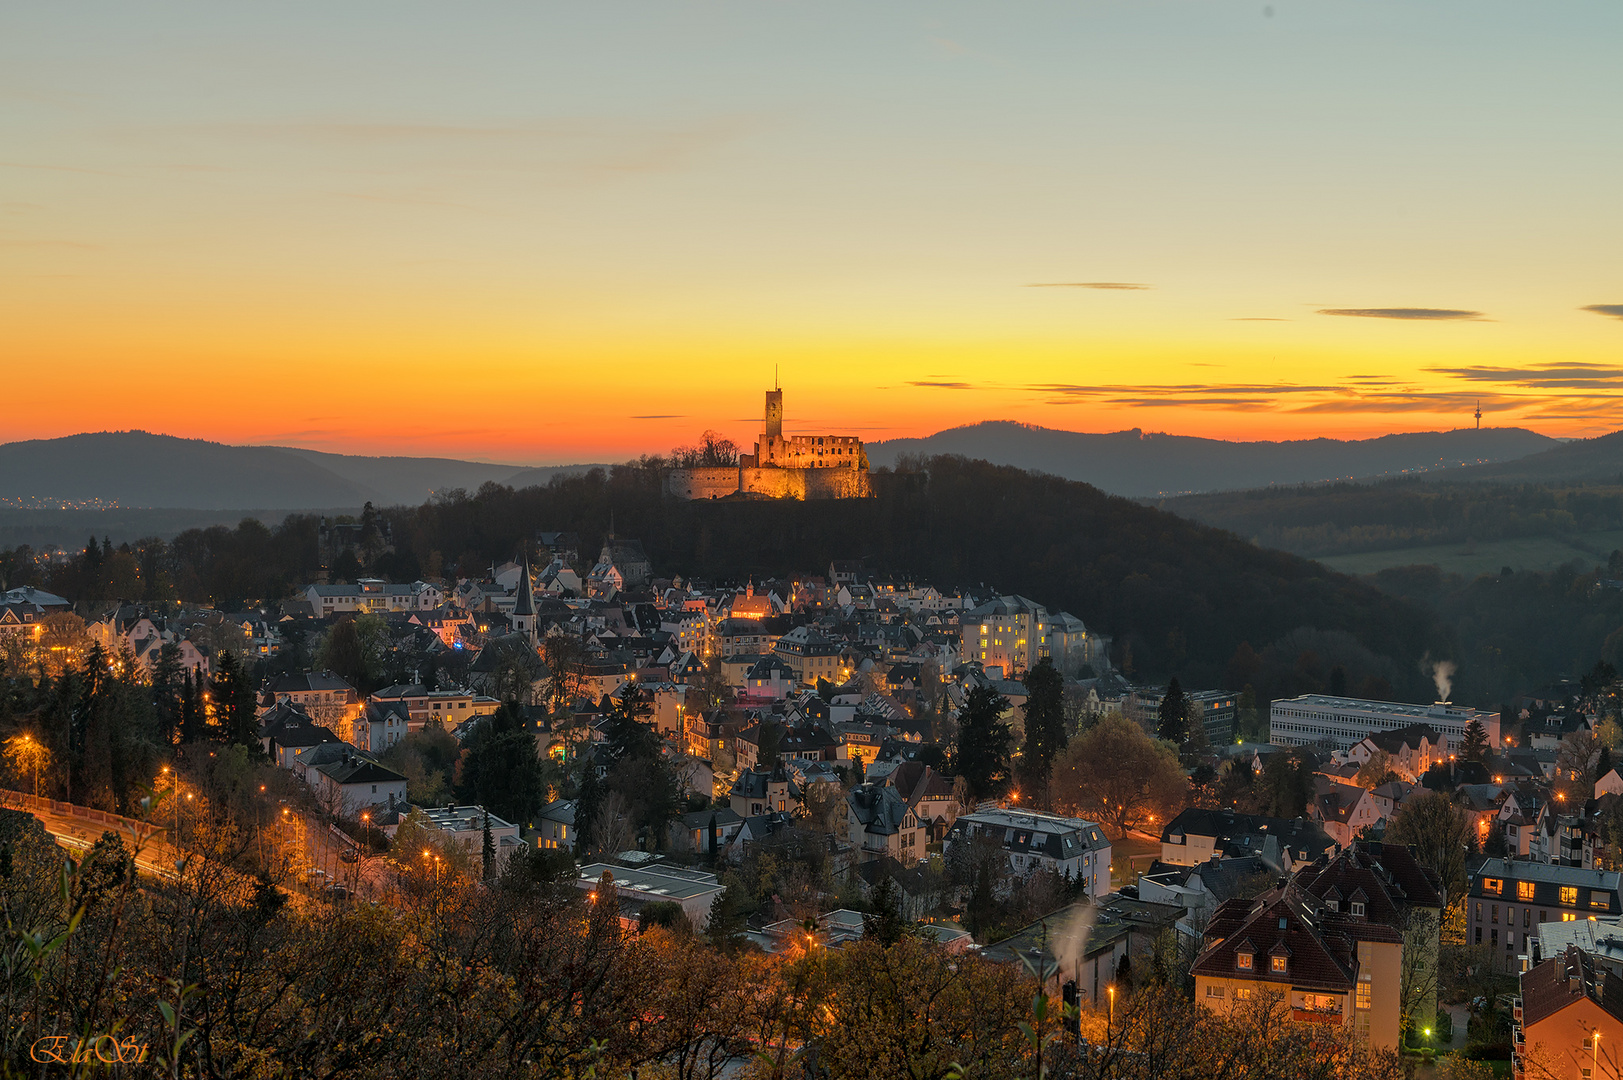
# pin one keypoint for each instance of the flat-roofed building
(1342, 723)
(695, 890)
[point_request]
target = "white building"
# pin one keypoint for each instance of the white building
(695, 890)
(1071, 847)
(465, 827)
(1342, 723)
(371, 594)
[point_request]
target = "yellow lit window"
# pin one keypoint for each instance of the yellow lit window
(1363, 999)
(1569, 895)
(1279, 963)
(1242, 961)
(1524, 890)
(1493, 885)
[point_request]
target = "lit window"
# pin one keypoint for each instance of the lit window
(1279, 963)
(1569, 895)
(1524, 890)
(1493, 885)
(1242, 961)
(1363, 999)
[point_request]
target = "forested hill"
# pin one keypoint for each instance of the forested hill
(1142, 465)
(1598, 459)
(1181, 597)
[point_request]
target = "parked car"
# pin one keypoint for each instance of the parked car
(349, 854)
(337, 890)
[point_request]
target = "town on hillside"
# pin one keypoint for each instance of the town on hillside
(807, 762)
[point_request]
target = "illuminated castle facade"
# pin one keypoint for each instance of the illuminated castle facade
(782, 467)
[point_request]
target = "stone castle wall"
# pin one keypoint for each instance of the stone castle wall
(768, 482)
(705, 483)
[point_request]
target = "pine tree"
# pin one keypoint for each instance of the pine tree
(1174, 715)
(489, 851)
(981, 756)
(588, 805)
(887, 924)
(166, 691)
(1045, 729)
(1474, 746)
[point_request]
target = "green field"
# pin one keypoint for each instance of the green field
(1472, 559)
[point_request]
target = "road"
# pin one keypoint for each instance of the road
(295, 844)
(156, 856)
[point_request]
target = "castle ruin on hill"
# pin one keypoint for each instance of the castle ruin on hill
(782, 467)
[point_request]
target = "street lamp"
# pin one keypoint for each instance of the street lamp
(1594, 1053)
(1111, 989)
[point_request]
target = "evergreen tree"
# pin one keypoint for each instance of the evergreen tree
(501, 768)
(886, 924)
(628, 732)
(489, 851)
(1474, 746)
(193, 720)
(1174, 715)
(1045, 729)
(235, 715)
(588, 804)
(166, 692)
(726, 926)
(981, 756)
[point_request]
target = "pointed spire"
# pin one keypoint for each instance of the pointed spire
(525, 604)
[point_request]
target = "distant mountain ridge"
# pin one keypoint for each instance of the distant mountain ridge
(142, 469)
(1600, 458)
(1136, 464)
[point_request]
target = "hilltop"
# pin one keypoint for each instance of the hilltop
(1140, 464)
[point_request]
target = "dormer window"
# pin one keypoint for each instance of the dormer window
(1357, 908)
(1278, 964)
(1242, 961)
(1332, 904)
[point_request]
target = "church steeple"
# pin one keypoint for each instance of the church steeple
(523, 621)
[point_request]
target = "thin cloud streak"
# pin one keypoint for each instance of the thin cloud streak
(1087, 285)
(1614, 311)
(1419, 314)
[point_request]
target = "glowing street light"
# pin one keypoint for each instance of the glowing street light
(1111, 989)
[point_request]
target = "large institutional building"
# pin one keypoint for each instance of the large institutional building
(782, 467)
(1318, 719)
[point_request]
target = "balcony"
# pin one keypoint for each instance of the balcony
(1516, 1010)
(1316, 1016)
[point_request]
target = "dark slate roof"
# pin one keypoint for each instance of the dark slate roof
(1563, 980)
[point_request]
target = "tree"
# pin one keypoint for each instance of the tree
(1286, 785)
(1174, 715)
(984, 741)
(1474, 746)
(235, 717)
(1376, 771)
(1441, 836)
(628, 732)
(588, 806)
(489, 851)
(1251, 726)
(501, 769)
(1045, 729)
(1116, 774)
(886, 924)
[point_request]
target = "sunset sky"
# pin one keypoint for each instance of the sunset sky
(542, 232)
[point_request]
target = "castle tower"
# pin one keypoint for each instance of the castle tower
(774, 414)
